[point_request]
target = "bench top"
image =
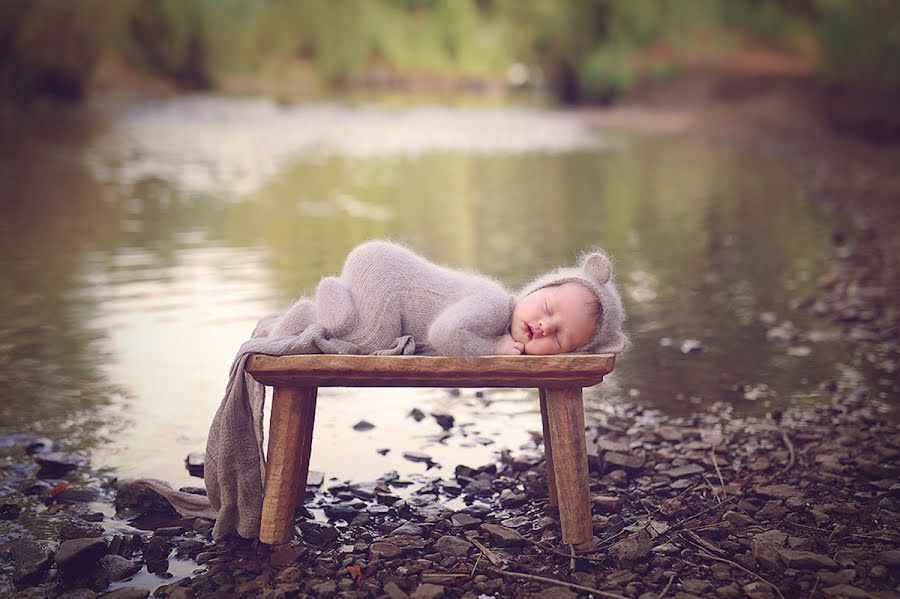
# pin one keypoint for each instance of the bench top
(330, 370)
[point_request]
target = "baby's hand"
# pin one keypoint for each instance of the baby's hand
(507, 346)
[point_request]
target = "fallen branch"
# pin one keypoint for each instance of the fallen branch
(712, 452)
(492, 557)
(790, 448)
(561, 583)
(668, 586)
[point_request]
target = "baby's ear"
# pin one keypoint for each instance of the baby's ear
(597, 267)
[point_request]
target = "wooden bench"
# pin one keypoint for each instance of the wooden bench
(296, 380)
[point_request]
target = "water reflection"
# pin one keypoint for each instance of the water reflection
(139, 252)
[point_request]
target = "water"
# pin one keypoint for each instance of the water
(140, 244)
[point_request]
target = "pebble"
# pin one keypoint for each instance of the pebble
(385, 550)
(30, 560)
(632, 548)
(502, 535)
(127, 593)
(845, 590)
(427, 591)
(449, 545)
(363, 425)
(806, 559)
(116, 567)
(683, 471)
(75, 554)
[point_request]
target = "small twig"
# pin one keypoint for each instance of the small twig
(571, 558)
(444, 575)
(712, 488)
(703, 553)
(668, 585)
(812, 593)
(561, 583)
(493, 557)
(477, 561)
(790, 447)
(712, 452)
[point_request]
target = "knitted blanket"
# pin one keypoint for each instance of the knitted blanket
(235, 468)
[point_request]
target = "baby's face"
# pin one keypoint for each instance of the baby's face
(554, 320)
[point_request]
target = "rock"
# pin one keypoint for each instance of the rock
(502, 535)
(464, 520)
(363, 425)
(731, 591)
(407, 528)
(138, 497)
(30, 560)
(385, 550)
(393, 591)
(9, 511)
(480, 487)
(157, 550)
(806, 559)
(58, 461)
(689, 346)
(766, 546)
(697, 587)
(772, 510)
(340, 511)
(606, 504)
(76, 554)
(889, 558)
(628, 462)
(427, 591)
(448, 545)
(79, 530)
(777, 491)
(116, 567)
(631, 549)
(682, 471)
(738, 519)
(512, 499)
(845, 590)
(285, 555)
(79, 594)
(417, 414)
(418, 456)
(844, 576)
(325, 589)
(444, 420)
(127, 593)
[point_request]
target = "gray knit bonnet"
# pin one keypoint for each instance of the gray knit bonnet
(594, 271)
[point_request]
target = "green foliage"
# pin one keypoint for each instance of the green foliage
(860, 43)
(53, 46)
(585, 49)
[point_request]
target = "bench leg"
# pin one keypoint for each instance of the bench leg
(287, 463)
(565, 413)
(548, 450)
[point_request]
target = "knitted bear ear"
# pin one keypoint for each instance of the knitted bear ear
(597, 267)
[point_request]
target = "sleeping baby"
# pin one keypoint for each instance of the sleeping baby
(386, 291)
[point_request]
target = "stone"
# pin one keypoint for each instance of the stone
(464, 520)
(285, 555)
(738, 519)
(512, 499)
(363, 425)
(392, 590)
(325, 589)
(79, 594)
(777, 491)
(427, 591)
(418, 456)
(138, 497)
(628, 462)
(765, 547)
(30, 559)
(695, 586)
(682, 471)
(116, 567)
(606, 504)
(845, 590)
(407, 528)
(77, 495)
(444, 420)
(889, 558)
(58, 461)
(291, 574)
(384, 550)
(76, 554)
(502, 535)
(448, 545)
(772, 510)
(631, 549)
(806, 559)
(79, 530)
(157, 549)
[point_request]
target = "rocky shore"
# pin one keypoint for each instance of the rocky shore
(803, 503)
